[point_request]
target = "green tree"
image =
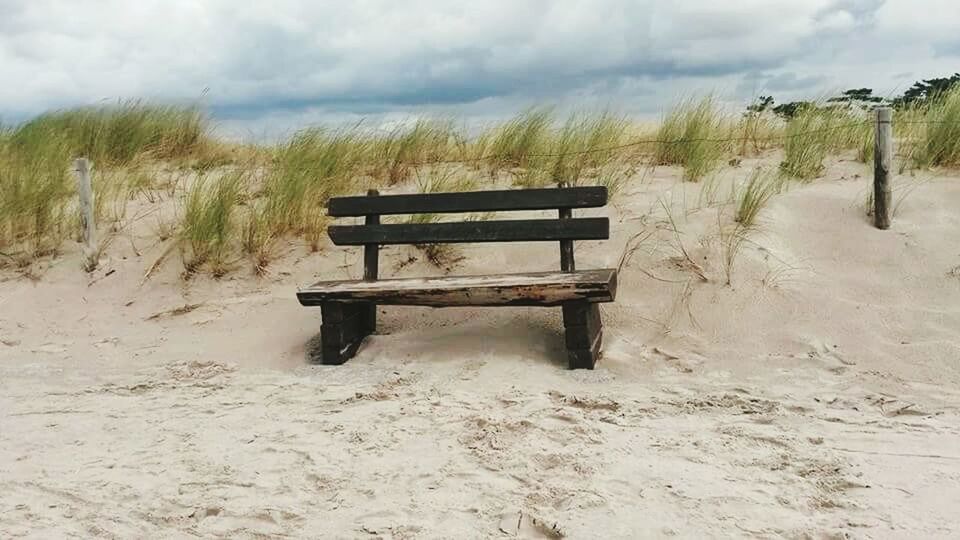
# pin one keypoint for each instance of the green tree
(789, 110)
(760, 105)
(857, 96)
(927, 89)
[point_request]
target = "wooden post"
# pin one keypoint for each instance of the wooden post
(371, 263)
(371, 252)
(882, 165)
(581, 320)
(83, 168)
(566, 246)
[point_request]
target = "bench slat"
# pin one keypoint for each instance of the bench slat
(475, 201)
(516, 230)
(527, 289)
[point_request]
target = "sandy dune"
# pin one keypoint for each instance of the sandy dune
(816, 395)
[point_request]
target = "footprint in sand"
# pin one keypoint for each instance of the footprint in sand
(50, 348)
(522, 525)
(829, 356)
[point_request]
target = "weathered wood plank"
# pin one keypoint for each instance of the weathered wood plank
(585, 358)
(583, 333)
(88, 224)
(583, 336)
(335, 312)
(343, 330)
(516, 230)
(567, 263)
(474, 201)
(882, 165)
(371, 269)
(528, 289)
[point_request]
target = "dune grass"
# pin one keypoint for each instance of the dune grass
(757, 132)
(755, 193)
(403, 148)
(36, 207)
(209, 225)
(819, 130)
(311, 167)
(691, 136)
(584, 142)
(117, 134)
(35, 189)
(939, 141)
(152, 152)
(513, 142)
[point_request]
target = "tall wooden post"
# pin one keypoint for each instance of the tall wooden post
(83, 168)
(882, 165)
(371, 263)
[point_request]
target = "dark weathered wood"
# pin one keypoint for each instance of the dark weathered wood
(567, 263)
(474, 201)
(582, 323)
(583, 334)
(371, 252)
(882, 164)
(529, 289)
(349, 307)
(371, 263)
(336, 312)
(517, 230)
(342, 331)
(585, 358)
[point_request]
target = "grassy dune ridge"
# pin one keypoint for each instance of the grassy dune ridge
(235, 202)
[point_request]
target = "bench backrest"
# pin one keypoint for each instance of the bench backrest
(564, 229)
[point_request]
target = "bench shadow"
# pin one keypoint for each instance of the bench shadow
(314, 350)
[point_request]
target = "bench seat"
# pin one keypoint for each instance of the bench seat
(524, 289)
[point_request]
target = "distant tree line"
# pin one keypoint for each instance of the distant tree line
(924, 91)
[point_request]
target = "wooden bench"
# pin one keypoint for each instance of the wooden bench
(348, 308)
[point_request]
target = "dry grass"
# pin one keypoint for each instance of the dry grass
(152, 153)
(394, 156)
(757, 132)
(512, 143)
(309, 169)
(580, 146)
(35, 196)
(118, 134)
(208, 226)
(939, 142)
(817, 131)
(692, 136)
(755, 193)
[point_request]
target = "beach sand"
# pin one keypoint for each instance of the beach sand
(817, 395)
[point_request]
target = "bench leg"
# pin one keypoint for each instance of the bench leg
(583, 333)
(369, 318)
(345, 324)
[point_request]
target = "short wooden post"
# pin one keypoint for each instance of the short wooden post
(83, 168)
(882, 165)
(371, 263)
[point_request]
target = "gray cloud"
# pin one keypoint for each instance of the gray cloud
(293, 61)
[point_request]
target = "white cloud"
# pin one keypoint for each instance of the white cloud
(289, 59)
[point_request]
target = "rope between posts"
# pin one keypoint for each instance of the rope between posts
(641, 142)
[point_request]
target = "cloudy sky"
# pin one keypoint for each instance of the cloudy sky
(264, 68)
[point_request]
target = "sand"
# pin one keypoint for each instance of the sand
(815, 395)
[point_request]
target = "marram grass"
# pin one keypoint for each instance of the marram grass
(136, 145)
